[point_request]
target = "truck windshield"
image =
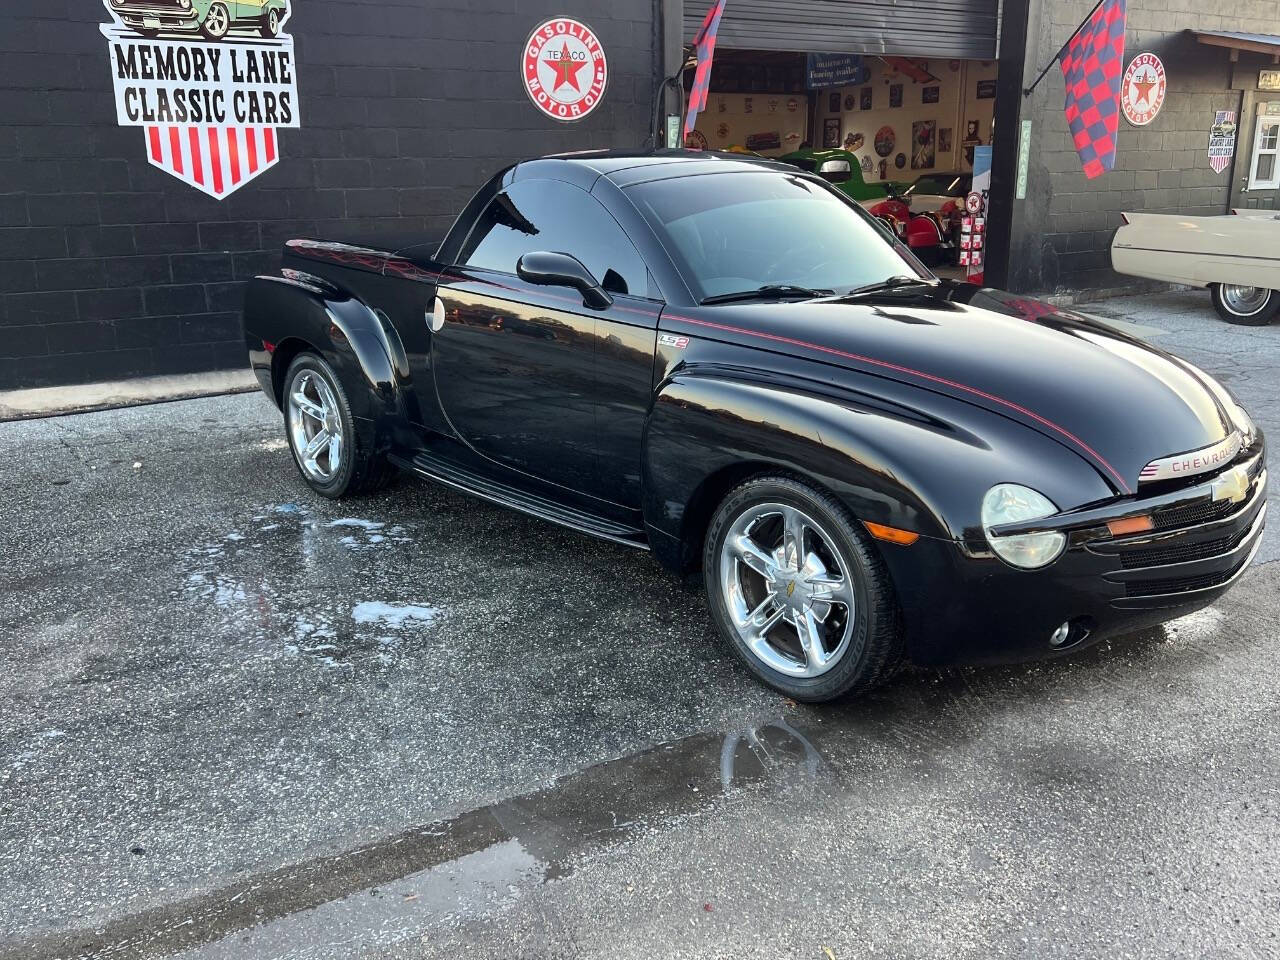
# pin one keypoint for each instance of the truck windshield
(732, 232)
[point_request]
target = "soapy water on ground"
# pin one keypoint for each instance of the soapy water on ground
(258, 581)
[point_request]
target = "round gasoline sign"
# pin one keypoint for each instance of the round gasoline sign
(1142, 90)
(564, 69)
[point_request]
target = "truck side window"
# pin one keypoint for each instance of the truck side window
(555, 216)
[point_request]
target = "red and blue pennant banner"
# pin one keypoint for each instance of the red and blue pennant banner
(1092, 66)
(705, 45)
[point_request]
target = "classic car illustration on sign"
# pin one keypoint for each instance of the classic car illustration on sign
(211, 19)
(726, 361)
(209, 83)
(1236, 256)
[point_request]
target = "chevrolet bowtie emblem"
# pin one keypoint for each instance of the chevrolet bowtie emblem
(1232, 485)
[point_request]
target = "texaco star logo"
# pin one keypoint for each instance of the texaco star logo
(564, 69)
(1142, 92)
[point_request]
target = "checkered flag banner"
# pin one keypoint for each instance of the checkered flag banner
(705, 44)
(1092, 66)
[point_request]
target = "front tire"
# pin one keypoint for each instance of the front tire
(1247, 306)
(271, 24)
(799, 591)
(332, 458)
(217, 22)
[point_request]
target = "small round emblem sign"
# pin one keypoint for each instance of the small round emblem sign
(564, 68)
(1143, 89)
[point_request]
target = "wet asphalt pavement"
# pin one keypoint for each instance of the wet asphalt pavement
(238, 721)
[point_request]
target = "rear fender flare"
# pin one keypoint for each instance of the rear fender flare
(354, 340)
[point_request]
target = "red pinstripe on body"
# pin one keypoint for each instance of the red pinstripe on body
(922, 375)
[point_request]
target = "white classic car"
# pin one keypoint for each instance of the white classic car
(1236, 256)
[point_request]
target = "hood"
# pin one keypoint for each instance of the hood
(1112, 399)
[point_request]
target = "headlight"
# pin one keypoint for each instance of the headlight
(1012, 503)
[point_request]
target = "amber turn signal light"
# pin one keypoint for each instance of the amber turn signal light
(1122, 528)
(892, 534)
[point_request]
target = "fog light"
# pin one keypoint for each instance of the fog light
(1061, 635)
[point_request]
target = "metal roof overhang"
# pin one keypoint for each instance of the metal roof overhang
(1264, 43)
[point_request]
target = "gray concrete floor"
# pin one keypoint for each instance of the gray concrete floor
(239, 721)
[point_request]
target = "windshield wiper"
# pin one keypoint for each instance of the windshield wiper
(892, 283)
(768, 291)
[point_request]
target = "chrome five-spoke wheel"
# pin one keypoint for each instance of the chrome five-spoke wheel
(315, 426)
(217, 22)
(787, 590)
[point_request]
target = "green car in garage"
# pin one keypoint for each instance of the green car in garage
(211, 19)
(839, 168)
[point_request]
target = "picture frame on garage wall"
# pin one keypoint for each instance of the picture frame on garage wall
(833, 101)
(930, 94)
(865, 98)
(831, 133)
(895, 95)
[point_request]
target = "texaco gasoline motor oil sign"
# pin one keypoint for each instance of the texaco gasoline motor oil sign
(564, 68)
(209, 82)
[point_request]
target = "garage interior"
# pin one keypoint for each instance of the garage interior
(909, 87)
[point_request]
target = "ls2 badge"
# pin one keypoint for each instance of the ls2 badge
(564, 68)
(208, 81)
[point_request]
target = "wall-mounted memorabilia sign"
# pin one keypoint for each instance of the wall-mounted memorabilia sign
(895, 95)
(793, 105)
(864, 98)
(885, 140)
(944, 140)
(833, 102)
(835, 70)
(769, 140)
(831, 132)
(923, 144)
(854, 140)
(850, 101)
(1142, 90)
(930, 94)
(209, 84)
(696, 140)
(1222, 140)
(900, 161)
(986, 90)
(564, 69)
(1269, 80)
(867, 165)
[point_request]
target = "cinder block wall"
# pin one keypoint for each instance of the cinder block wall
(110, 268)
(1063, 230)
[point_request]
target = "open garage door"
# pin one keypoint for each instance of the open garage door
(964, 29)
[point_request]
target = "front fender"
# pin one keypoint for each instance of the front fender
(894, 454)
(362, 349)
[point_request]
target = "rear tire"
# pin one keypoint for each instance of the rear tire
(1247, 306)
(330, 455)
(813, 623)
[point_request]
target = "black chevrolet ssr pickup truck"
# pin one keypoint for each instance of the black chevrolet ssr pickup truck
(725, 361)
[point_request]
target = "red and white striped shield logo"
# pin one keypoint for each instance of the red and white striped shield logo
(209, 82)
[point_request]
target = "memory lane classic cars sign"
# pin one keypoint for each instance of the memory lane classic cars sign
(209, 87)
(564, 69)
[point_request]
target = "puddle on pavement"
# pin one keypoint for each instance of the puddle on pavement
(264, 581)
(479, 861)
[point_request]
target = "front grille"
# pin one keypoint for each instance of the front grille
(1183, 553)
(1173, 517)
(1155, 588)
